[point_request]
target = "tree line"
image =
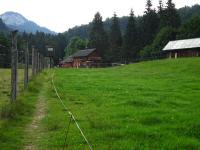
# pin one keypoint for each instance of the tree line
(155, 29)
(39, 41)
(129, 38)
(122, 39)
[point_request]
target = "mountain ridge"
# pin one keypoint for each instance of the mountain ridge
(15, 20)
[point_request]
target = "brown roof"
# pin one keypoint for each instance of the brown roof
(84, 53)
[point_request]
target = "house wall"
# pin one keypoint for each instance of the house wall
(77, 62)
(184, 53)
(67, 65)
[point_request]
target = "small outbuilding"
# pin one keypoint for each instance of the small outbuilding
(86, 58)
(183, 48)
(82, 58)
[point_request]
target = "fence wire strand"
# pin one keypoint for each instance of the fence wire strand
(66, 134)
(69, 112)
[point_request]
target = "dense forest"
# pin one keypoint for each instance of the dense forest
(118, 39)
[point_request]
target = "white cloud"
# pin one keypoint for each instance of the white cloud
(59, 15)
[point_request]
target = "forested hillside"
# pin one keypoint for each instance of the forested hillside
(3, 27)
(142, 36)
(83, 31)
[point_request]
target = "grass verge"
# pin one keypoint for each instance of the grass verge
(15, 116)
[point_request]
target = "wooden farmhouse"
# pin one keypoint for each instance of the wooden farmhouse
(83, 58)
(67, 63)
(183, 48)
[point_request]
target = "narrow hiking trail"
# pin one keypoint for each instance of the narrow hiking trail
(33, 132)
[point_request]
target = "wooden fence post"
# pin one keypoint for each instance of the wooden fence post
(26, 66)
(40, 66)
(14, 61)
(33, 61)
(42, 62)
(38, 62)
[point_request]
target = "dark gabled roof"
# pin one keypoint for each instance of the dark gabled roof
(84, 53)
(67, 60)
(182, 44)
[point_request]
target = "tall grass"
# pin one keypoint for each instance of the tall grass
(14, 117)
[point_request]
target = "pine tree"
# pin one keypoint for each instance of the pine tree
(5, 55)
(115, 39)
(171, 17)
(160, 7)
(130, 39)
(98, 38)
(150, 24)
(161, 14)
(148, 6)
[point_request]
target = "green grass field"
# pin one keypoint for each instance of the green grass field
(4, 86)
(148, 105)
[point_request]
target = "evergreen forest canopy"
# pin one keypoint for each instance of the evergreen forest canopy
(130, 38)
(118, 39)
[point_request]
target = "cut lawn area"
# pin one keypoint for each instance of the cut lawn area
(148, 105)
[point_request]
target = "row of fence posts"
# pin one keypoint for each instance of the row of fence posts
(39, 63)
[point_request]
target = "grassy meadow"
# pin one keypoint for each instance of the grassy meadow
(4, 86)
(148, 105)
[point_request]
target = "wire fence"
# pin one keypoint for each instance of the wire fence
(71, 119)
(17, 68)
(21, 66)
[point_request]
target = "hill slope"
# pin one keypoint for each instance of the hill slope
(148, 105)
(3, 27)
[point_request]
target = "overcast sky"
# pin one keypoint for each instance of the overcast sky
(60, 15)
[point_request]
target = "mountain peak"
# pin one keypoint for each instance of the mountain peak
(15, 20)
